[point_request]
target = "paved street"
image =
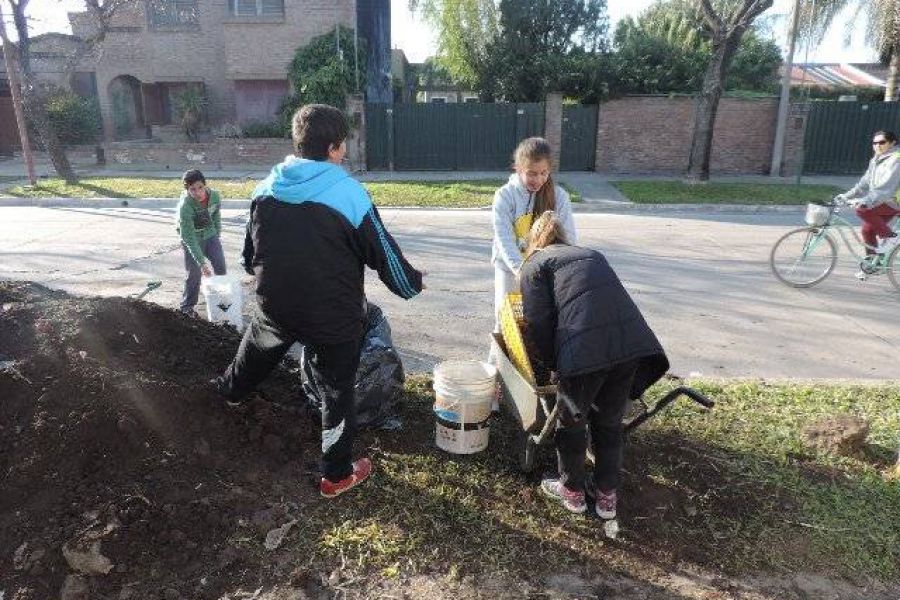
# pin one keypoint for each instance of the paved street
(701, 278)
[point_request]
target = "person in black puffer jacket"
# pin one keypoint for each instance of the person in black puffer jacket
(581, 325)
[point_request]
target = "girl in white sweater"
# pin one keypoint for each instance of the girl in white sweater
(529, 193)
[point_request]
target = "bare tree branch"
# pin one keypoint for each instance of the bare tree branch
(715, 22)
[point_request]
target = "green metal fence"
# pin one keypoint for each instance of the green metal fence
(463, 136)
(839, 135)
(579, 137)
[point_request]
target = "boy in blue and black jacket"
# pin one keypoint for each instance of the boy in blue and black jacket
(313, 229)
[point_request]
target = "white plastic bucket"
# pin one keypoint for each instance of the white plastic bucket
(224, 299)
(464, 391)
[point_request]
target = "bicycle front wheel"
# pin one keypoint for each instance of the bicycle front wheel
(803, 257)
(893, 267)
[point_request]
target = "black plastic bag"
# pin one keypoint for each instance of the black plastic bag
(379, 379)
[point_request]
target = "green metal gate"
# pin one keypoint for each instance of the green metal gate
(464, 136)
(579, 137)
(839, 135)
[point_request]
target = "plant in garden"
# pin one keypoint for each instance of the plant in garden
(191, 105)
(275, 129)
(75, 119)
(324, 71)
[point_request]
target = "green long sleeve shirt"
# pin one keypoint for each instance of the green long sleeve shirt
(196, 223)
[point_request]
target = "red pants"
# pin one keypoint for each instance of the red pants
(875, 223)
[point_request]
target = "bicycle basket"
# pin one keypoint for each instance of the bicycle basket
(817, 215)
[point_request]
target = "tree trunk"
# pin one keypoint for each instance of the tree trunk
(33, 99)
(36, 110)
(890, 91)
(707, 106)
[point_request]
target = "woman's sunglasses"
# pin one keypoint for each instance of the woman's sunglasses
(879, 142)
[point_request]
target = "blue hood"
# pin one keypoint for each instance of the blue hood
(299, 180)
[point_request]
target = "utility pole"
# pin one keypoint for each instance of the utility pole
(15, 87)
(784, 102)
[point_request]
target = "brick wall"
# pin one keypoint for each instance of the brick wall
(649, 134)
(220, 153)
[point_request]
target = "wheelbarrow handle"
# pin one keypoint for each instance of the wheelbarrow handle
(695, 396)
(669, 399)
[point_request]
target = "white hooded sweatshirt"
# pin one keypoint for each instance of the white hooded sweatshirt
(511, 202)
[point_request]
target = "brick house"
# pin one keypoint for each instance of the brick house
(236, 51)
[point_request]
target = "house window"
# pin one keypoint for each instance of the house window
(256, 8)
(173, 12)
(439, 100)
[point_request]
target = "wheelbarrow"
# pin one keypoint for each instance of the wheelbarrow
(535, 407)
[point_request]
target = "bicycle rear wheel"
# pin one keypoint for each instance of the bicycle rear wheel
(893, 267)
(803, 257)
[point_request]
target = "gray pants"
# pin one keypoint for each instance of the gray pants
(212, 250)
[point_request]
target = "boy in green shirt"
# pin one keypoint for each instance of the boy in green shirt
(199, 222)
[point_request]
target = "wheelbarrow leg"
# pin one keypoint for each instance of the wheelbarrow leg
(529, 452)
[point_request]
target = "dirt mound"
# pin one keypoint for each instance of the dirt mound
(110, 432)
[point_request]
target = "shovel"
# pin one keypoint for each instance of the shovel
(151, 285)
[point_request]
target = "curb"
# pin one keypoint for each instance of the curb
(601, 206)
(611, 206)
(108, 203)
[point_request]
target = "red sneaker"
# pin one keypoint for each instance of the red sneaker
(361, 471)
(573, 500)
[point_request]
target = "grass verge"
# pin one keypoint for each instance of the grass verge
(448, 194)
(733, 490)
(676, 192)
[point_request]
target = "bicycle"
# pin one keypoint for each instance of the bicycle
(803, 257)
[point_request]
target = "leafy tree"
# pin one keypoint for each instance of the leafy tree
(324, 71)
(725, 25)
(666, 50)
(589, 77)
(882, 18)
(432, 72)
(465, 31)
(35, 94)
(651, 59)
(541, 43)
(755, 65)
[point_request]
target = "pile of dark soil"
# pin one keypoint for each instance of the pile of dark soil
(110, 431)
(124, 476)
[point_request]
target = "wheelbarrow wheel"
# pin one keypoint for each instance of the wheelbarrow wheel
(529, 453)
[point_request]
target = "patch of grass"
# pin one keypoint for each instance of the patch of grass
(453, 194)
(733, 490)
(126, 187)
(676, 192)
(444, 194)
(844, 506)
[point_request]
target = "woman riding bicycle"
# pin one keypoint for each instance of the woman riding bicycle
(875, 196)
